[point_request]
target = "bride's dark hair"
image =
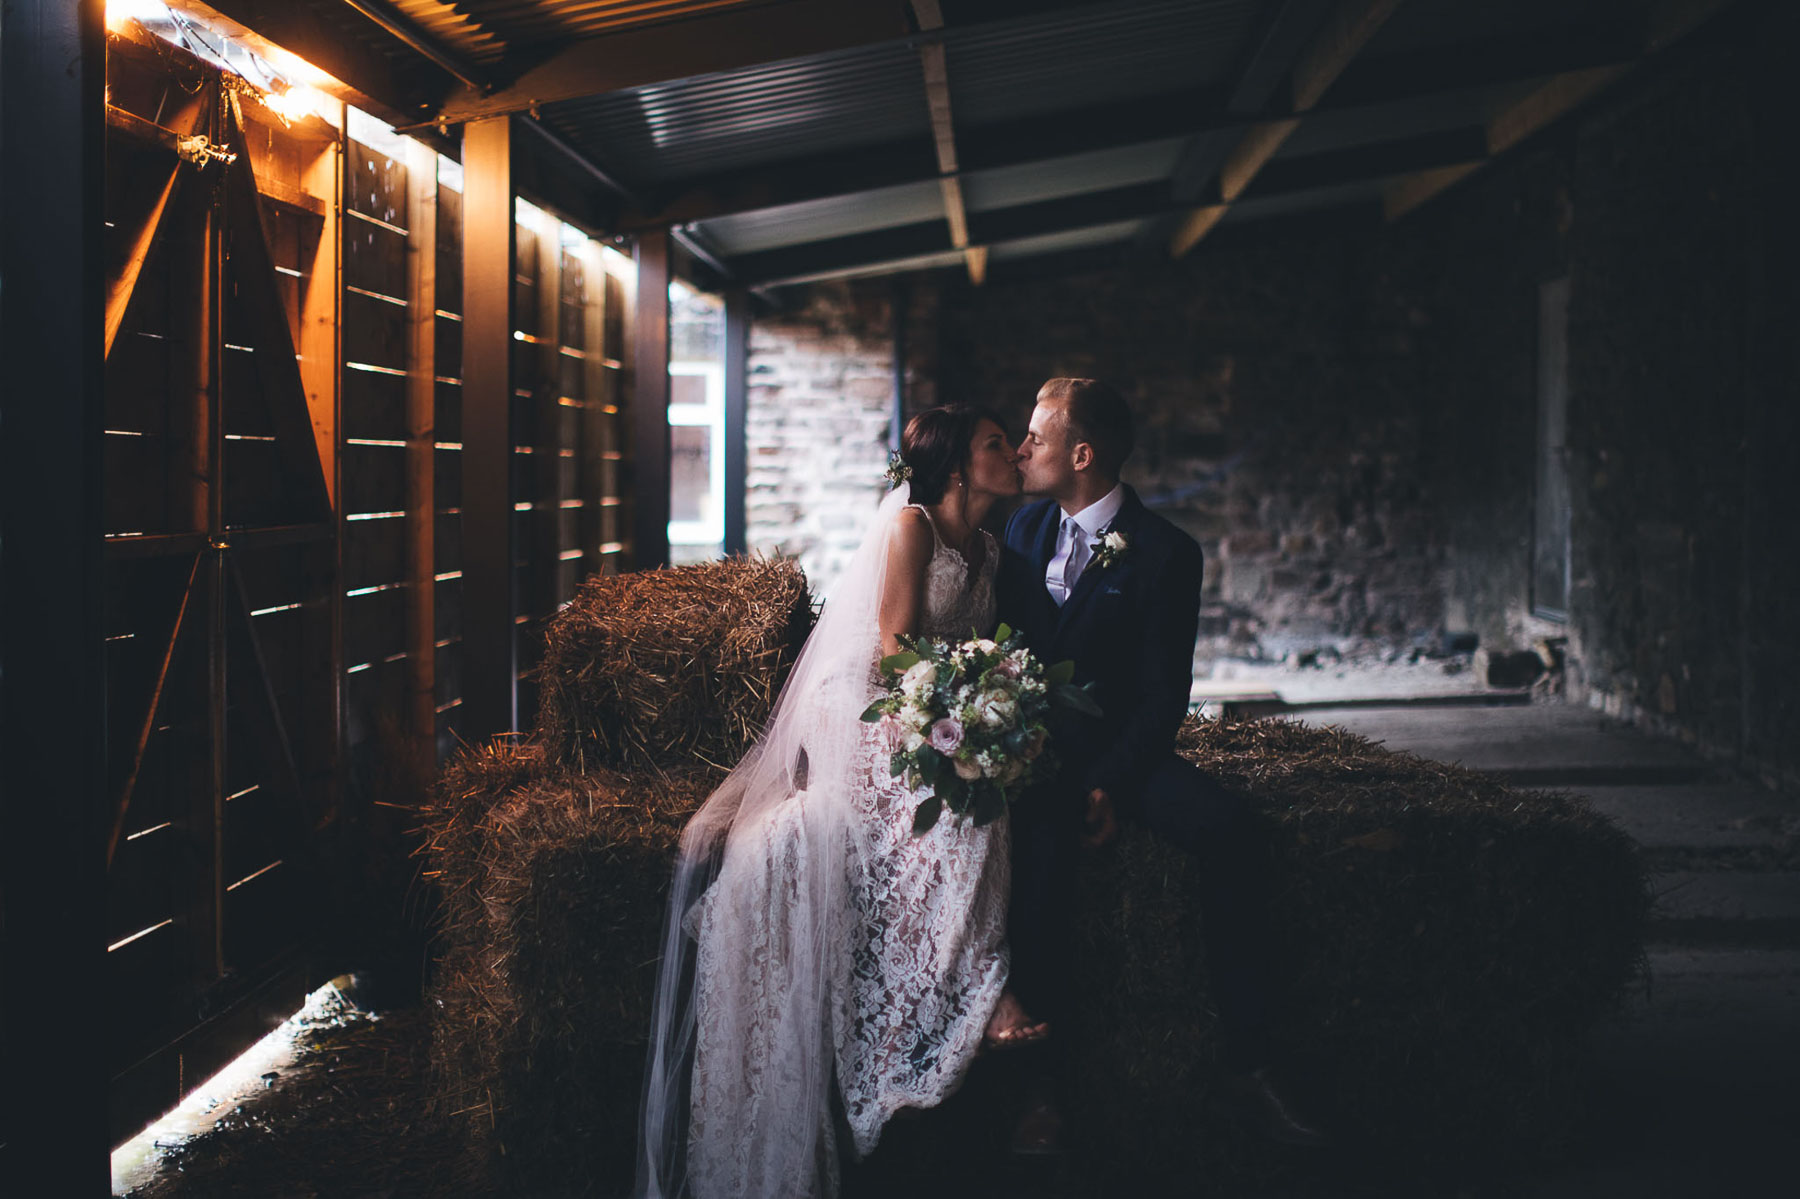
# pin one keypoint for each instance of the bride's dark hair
(936, 446)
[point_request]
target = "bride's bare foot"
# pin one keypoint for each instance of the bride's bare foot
(1011, 1025)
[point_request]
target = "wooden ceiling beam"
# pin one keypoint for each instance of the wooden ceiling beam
(1345, 32)
(1665, 24)
(943, 136)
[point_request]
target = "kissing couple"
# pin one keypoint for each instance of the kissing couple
(824, 966)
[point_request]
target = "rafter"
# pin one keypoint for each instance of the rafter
(943, 137)
(1548, 103)
(1326, 55)
(1295, 176)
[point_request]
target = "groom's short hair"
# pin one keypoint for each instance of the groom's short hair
(1098, 415)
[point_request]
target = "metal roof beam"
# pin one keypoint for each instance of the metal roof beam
(729, 41)
(1289, 177)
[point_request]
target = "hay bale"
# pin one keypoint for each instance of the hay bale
(663, 666)
(555, 883)
(1447, 943)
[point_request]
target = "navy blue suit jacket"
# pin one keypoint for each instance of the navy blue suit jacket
(1128, 627)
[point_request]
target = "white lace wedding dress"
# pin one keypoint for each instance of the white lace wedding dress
(911, 970)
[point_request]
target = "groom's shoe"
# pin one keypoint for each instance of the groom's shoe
(1261, 1100)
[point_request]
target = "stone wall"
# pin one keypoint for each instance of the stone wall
(1345, 416)
(1665, 209)
(821, 395)
(1272, 380)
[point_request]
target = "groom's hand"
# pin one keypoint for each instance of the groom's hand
(1102, 824)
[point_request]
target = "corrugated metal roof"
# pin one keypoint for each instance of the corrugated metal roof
(1073, 58)
(1093, 54)
(529, 23)
(762, 114)
(1121, 166)
(454, 27)
(818, 220)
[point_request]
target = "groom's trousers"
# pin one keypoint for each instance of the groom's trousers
(1186, 807)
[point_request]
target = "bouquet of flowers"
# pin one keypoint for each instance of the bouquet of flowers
(969, 722)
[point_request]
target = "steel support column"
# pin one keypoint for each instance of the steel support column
(737, 406)
(490, 639)
(52, 666)
(650, 404)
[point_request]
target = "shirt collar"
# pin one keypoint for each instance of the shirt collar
(1100, 513)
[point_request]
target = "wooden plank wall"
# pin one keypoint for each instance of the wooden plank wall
(283, 612)
(567, 435)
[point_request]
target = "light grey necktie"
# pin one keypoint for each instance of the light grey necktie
(1062, 567)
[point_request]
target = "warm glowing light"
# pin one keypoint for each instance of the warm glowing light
(298, 103)
(619, 266)
(529, 215)
(291, 66)
(118, 12)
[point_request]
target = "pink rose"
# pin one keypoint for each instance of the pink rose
(893, 730)
(947, 735)
(967, 770)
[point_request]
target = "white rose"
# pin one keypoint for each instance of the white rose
(1115, 542)
(967, 769)
(987, 646)
(914, 741)
(920, 680)
(995, 709)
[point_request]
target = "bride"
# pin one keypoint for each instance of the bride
(823, 967)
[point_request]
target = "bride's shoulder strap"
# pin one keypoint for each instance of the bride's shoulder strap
(925, 514)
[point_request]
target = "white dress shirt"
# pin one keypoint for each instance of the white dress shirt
(1074, 541)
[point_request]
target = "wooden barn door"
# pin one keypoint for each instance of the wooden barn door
(222, 592)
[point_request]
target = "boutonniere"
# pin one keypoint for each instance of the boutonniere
(1111, 549)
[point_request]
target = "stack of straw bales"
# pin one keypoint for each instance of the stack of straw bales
(1447, 941)
(552, 856)
(1447, 945)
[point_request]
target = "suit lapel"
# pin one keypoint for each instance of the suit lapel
(1089, 582)
(1044, 548)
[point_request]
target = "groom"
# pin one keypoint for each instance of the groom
(1091, 575)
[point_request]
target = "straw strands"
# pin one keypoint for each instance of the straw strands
(1446, 942)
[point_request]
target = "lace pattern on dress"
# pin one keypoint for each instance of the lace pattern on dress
(923, 965)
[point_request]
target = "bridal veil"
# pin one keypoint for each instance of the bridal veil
(794, 785)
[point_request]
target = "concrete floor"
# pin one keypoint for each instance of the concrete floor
(1697, 1088)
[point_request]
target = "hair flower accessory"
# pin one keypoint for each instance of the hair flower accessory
(897, 470)
(1110, 549)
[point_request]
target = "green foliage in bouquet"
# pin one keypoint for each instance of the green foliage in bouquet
(969, 723)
